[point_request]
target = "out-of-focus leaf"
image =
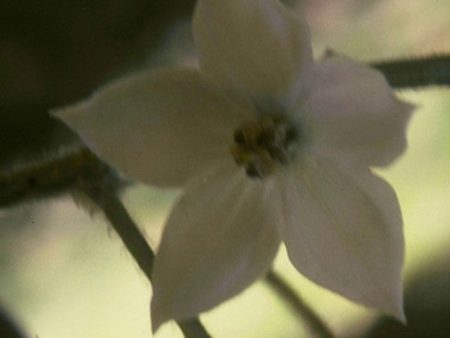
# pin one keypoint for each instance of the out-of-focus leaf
(427, 307)
(8, 329)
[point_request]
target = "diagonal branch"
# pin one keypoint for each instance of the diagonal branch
(100, 186)
(291, 297)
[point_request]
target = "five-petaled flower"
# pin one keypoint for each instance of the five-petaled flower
(270, 147)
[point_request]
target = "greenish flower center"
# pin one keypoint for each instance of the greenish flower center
(264, 145)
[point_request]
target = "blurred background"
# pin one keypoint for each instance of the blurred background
(65, 274)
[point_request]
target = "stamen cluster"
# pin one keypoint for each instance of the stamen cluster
(263, 145)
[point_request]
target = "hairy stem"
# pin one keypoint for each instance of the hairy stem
(51, 174)
(104, 195)
(316, 325)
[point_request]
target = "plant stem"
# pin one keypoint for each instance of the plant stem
(49, 175)
(413, 73)
(101, 190)
(313, 321)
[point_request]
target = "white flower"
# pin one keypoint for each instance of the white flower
(270, 147)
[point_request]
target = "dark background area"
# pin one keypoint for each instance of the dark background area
(53, 53)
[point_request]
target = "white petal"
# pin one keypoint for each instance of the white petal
(355, 114)
(256, 46)
(343, 230)
(159, 127)
(217, 242)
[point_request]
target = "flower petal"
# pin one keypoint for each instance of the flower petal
(343, 230)
(257, 46)
(217, 242)
(159, 127)
(355, 114)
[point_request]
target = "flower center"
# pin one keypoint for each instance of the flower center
(264, 145)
